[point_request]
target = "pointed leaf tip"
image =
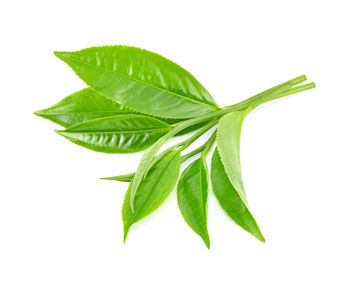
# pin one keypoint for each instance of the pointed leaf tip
(125, 234)
(41, 113)
(63, 55)
(206, 240)
(60, 132)
(38, 113)
(57, 53)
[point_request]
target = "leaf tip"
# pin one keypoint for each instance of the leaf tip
(126, 230)
(61, 132)
(207, 243)
(259, 236)
(39, 113)
(63, 55)
(262, 239)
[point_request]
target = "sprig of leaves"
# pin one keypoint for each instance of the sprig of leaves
(137, 100)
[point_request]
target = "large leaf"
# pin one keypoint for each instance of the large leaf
(192, 196)
(118, 134)
(141, 80)
(82, 106)
(153, 189)
(88, 104)
(228, 140)
(230, 200)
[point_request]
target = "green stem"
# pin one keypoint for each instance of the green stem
(261, 97)
(204, 148)
(184, 144)
(202, 131)
(283, 94)
(273, 93)
(297, 89)
(209, 144)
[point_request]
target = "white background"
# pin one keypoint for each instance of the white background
(60, 224)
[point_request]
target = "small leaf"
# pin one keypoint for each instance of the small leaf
(230, 200)
(82, 106)
(228, 140)
(192, 196)
(153, 189)
(118, 134)
(141, 80)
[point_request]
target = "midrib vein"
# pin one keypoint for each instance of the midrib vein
(130, 131)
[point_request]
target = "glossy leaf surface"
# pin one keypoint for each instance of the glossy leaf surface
(153, 189)
(192, 196)
(82, 106)
(118, 134)
(228, 140)
(141, 80)
(230, 200)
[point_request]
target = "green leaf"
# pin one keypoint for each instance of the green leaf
(153, 189)
(141, 80)
(228, 140)
(82, 106)
(118, 134)
(192, 196)
(143, 167)
(230, 200)
(87, 104)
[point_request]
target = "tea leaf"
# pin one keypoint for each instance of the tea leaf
(88, 104)
(153, 189)
(230, 200)
(82, 106)
(192, 196)
(228, 140)
(118, 134)
(141, 80)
